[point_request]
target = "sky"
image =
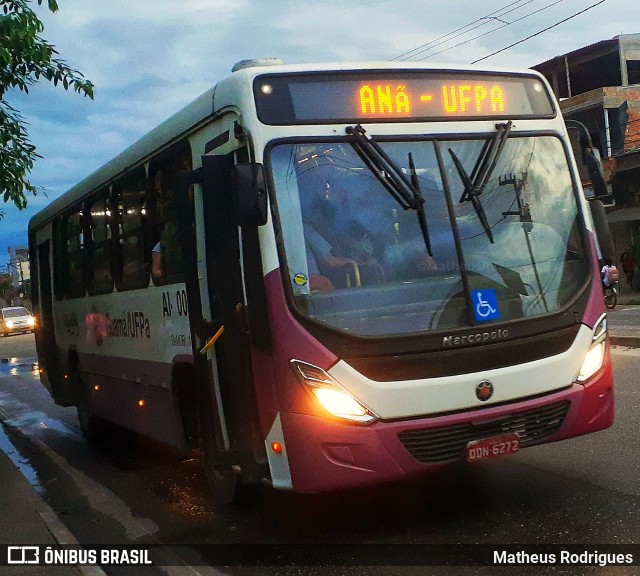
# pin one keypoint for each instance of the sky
(149, 59)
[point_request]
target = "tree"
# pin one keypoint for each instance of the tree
(6, 285)
(25, 58)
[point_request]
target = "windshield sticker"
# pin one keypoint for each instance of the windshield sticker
(300, 279)
(485, 304)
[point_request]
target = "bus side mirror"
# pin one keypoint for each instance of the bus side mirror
(250, 194)
(596, 171)
(601, 228)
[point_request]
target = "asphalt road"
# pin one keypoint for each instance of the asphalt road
(18, 346)
(625, 320)
(584, 491)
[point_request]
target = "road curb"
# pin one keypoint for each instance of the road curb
(64, 537)
(176, 566)
(627, 341)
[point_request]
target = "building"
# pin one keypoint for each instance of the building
(19, 270)
(599, 86)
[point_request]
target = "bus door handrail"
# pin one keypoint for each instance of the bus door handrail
(212, 341)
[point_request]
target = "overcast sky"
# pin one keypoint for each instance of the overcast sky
(147, 59)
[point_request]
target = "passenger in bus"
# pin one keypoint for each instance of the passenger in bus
(157, 270)
(361, 247)
(341, 229)
(165, 255)
(321, 262)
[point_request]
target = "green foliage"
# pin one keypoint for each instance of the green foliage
(5, 282)
(25, 58)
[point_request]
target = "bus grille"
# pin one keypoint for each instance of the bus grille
(446, 444)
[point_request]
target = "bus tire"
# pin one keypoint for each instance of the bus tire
(226, 486)
(223, 484)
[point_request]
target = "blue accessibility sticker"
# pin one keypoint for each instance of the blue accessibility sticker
(485, 304)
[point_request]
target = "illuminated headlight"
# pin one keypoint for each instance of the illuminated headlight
(31, 321)
(328, 392)
(9, 324)
(595, 357)
(592, 362)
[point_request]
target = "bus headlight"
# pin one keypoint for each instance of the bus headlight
(592, 362)
(595, 357)
(328, 392)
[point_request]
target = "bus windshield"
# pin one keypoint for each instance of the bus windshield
(357, 261)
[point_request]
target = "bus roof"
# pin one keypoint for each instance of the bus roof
(216, 98)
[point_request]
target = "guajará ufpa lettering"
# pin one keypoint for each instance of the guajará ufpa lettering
(130, 325)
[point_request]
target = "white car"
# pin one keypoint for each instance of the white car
(16, 319)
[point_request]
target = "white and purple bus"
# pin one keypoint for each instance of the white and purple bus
(332, 275)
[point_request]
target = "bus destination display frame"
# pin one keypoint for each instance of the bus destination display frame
(358, 96)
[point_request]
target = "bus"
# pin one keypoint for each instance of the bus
(332, 275)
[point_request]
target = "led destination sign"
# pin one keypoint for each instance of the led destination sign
(454, 99)
(397, 96)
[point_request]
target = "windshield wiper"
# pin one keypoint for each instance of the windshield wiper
(404, 191)
(486, 163)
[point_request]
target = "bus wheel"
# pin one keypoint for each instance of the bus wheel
(224, 485)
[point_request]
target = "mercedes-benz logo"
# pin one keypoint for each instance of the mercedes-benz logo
(484, 390)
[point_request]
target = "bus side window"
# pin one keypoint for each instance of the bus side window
(130, 202)
(167, 262)
(75, 255)
(60, 281)
(101, 278)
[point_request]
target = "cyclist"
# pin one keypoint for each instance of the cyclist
(609, 274)
(610, 277)
(605, 273)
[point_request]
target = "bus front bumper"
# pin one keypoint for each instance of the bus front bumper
(326, 455)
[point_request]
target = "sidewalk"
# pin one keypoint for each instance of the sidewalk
(628, 298)
(624, 335)
(26, 519)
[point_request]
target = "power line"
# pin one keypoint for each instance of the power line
(539, 32)
(441, 39)
(494, 30)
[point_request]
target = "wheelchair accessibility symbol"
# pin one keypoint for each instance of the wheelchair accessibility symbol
(485, 304)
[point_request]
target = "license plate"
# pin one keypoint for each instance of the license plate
(493, 447)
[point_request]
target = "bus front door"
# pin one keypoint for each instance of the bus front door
(227, 412)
